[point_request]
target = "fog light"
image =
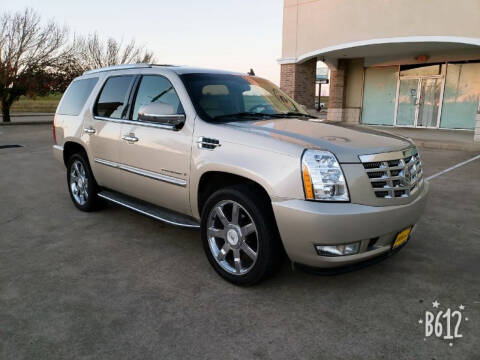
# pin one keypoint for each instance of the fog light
(338, 250)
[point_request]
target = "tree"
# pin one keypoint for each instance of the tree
(27, 49)
(94, 53)
(36, 58)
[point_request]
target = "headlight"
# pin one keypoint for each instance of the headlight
(323, 177)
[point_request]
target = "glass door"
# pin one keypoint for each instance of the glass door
(419, 101)
(429, 102)
(407, 102)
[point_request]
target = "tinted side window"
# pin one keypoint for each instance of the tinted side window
(112, 102)
(156, 89)
(76, 95)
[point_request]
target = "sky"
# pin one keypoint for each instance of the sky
(221, 34)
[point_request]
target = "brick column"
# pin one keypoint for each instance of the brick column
(476, 135)
(298, 81)
(336, 98)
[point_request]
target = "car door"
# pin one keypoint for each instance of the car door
(103, 127)
(156, 158)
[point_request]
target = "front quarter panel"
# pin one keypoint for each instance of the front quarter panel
(279, 174)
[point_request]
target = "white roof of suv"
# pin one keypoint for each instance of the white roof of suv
(179, 69)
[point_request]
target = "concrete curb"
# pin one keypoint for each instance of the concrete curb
(40, 122)
(429, 143)
(446, 146)
(30, 114)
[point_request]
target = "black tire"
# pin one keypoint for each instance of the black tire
(91, 201)
(269, 249)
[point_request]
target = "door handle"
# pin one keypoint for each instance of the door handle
(130, 138)
(89, 130)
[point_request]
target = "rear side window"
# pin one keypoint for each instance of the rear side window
(76, 95)
(112, 102)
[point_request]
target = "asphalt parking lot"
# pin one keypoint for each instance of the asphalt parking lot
(115, 284)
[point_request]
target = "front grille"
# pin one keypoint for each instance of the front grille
(394, 175)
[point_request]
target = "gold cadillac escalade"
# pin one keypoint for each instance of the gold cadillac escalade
(233, 155)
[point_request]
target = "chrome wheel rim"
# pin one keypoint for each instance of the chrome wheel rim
(78, 182)
(232, 237)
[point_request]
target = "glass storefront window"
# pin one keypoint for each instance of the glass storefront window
(461, 96)
(419, 99)
(380, 90)
(421, 70)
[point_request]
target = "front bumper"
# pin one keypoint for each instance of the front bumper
(303, 224)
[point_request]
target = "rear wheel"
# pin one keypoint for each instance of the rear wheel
(239, 235)
(81, 183)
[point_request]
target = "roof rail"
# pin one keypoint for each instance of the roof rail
(118, 67)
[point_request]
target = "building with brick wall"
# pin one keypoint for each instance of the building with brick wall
(412, 63)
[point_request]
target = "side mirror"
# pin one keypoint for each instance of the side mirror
(161, 113)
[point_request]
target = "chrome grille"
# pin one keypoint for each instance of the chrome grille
(394, 175)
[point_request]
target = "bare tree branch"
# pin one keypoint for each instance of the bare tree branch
(25, 47)
(34, 55)
(93, 52)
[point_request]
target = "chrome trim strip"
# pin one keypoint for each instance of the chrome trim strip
(176, 119)
(141, 172)
(154, 175)
(108, 163)
(395, 155)
(106, 197)
(173, 116)
(138, 123)
(58, 147)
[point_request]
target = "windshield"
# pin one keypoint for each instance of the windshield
(225, 97)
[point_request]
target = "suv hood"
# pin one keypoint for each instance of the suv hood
(346, 141)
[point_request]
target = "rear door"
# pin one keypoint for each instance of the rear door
(102, 130)
(156, 164)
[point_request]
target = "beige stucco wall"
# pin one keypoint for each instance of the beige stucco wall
(310, 25)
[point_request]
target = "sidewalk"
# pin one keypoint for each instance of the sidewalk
(28, 119)
(436, 138)
(322, 114)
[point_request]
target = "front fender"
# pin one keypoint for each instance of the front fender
(279, 174)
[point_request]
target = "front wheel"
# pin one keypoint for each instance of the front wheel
(239, 235)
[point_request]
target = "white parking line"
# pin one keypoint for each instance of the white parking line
(453, 167)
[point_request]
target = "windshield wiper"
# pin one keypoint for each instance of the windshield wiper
(243, 115)
(298, 114)
(256, 115)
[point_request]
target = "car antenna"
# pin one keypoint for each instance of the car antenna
(251, 72)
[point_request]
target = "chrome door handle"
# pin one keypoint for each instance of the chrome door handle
(130, 138)
(89, 131)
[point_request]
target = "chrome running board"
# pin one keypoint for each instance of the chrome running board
(150, 210)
